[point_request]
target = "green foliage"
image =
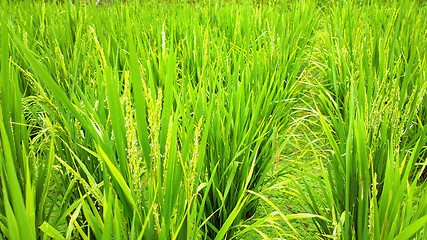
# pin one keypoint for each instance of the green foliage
(143, 126)
(164, 120)
(371, 108)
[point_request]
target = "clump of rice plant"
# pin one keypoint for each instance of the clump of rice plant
(372, 121)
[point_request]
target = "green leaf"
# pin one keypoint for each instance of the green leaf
(413, 228)
(51, 231)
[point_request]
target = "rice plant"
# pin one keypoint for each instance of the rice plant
(372, 121)
(167, 119)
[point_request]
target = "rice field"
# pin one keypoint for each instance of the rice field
(240, 119)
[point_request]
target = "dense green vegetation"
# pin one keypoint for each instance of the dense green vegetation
(203, 120)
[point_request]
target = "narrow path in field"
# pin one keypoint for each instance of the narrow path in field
(297, 157)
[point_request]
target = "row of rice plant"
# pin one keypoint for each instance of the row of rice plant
(371, 105)
(163, 120)
(145, 121)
